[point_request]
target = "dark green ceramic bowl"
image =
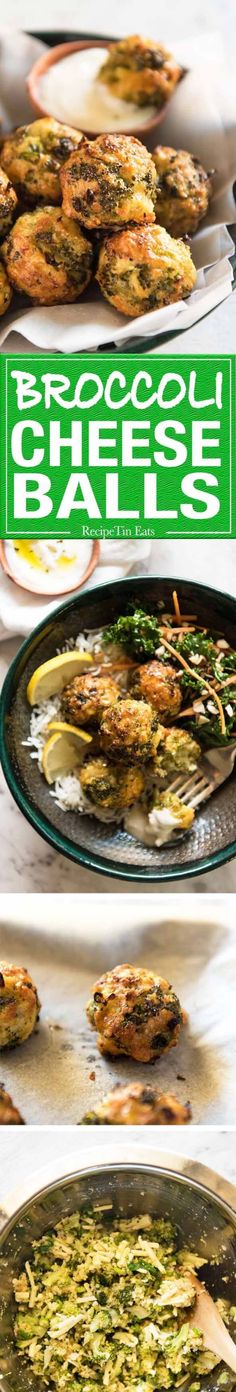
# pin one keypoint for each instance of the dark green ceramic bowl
(107, 847)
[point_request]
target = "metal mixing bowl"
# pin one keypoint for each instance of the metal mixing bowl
(206, 1221)
(99, 845)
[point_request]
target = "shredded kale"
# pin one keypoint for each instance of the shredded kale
(138, 633)
(198, 644)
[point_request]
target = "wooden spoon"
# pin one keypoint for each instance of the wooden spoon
(207, 1318)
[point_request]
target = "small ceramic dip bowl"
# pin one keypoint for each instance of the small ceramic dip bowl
(64, 83)
(36, 574)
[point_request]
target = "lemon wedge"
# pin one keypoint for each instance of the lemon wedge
(52, 676)
(64, 749)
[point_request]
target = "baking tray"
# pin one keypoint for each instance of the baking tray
(59, 1074)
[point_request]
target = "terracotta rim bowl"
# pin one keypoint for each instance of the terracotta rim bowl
(43, 593)
(63, 50)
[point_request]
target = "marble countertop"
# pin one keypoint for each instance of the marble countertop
(28, 863)
(25, 1153)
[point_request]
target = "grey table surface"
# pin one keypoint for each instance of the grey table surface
(127, 16)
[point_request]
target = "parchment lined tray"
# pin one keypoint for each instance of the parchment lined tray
(49, 1077)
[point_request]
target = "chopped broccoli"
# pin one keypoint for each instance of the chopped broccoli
(134, 1334)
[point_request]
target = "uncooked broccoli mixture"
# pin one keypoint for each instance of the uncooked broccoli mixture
(106, 1302)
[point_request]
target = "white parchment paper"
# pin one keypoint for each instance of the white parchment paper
(66, 946)
(201, 118)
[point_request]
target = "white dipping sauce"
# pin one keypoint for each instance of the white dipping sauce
(71, 92)
(152, 828)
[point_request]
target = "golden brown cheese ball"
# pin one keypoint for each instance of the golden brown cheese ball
(9, 1115)
(33, 155)
(19, 1005)
(130, 730)
(183, 190)
(5, 291)
(139, 1104)
(156, 682)
(8, 203)
(135, 1013)
(141, 71)
(110, 787)
(109, 181)
(87, 697)
(143, 268)
(47, 257)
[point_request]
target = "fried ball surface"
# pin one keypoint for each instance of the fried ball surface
(156, 682)
(130, 730)
(109, 181)
(19, 1005)
(87, 697)
(178, 751)
(183, 190)
(135, 1013)
(137, 1104)
(9, 1115)
(33, 155)
(110, 787)
(5, 291)
(8, 203)
(47, 257)
(140, 71)
(143, 268)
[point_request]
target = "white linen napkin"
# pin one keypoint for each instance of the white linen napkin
(20, 610)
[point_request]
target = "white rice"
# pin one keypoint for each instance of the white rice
(69, 796)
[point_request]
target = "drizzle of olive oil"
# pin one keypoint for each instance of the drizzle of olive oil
(26, 549)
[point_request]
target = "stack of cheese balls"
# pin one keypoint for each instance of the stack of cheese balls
(71, 208)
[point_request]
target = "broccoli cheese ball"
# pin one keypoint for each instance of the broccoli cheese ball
(9, 1115)
(169, 810)
(156, 682)
(110, 787)
(178, 751)
(130, 730)
(109, 181)
(87, 697)
(183, 190)
(5, 291)
(135, 1013)
(142, 268)
(47, 257)
(33, 155)
(141, 71)
(19, 1005)
(138, 1104)
(8, 203)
